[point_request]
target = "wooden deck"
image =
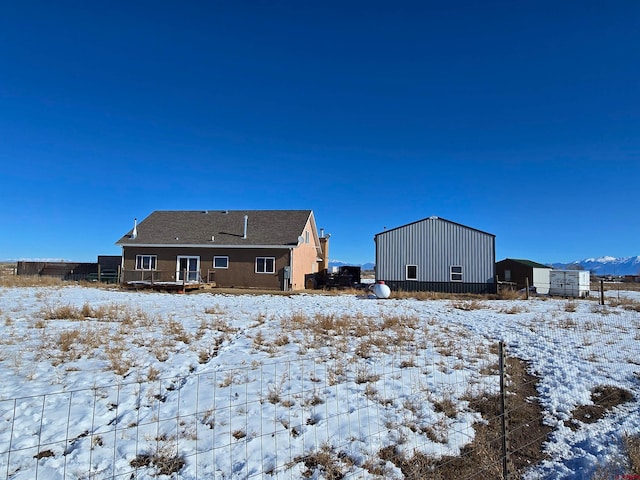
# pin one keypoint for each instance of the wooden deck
(178, 287)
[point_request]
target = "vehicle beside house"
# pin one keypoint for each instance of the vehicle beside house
(521, 272)
(264, 249)
(435, 254)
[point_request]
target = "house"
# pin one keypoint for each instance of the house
(267, 249)
(435, 254)
(518, 271)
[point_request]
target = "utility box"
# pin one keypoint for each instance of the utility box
(570, 283)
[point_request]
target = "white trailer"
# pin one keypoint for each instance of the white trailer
(569, 283)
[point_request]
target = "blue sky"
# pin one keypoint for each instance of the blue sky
(521, 119)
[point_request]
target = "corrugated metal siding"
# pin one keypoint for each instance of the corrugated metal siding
(434, 245)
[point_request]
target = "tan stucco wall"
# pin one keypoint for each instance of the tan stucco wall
(305, 258)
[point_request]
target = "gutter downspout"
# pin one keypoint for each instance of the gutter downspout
(289, 281)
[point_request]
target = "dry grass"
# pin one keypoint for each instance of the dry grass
(604, 398)
(626, 304)
(468, 305)
(63, 312)
(482, 458)
(30, 281)
(325, 463)
(626, 465)
(164, 458)
(513, 309)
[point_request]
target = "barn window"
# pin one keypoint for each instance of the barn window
(456, 273)
(265, 264)
(146, 262)
(412, 272)
(220, 262)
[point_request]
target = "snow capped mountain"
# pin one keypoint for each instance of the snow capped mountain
(606, 265)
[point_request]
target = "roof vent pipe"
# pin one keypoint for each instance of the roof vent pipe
(246, 218)
(134, 234)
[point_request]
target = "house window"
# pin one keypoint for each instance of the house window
(146, 262)
(456, 273)
(265, 264)
(412, 272)
(220, 262)
(306, 236)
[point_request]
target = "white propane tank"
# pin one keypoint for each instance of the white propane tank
(381, 290)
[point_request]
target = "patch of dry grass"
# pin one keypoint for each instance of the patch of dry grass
(626, 304)
(468, 305)
(164, 459)
(325, 462)
(604, 398)
(30, 281)
(482, 458)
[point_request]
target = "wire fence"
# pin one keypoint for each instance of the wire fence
(439, 414)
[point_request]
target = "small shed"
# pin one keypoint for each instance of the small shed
(519, 270)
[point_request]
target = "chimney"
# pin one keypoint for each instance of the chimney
(246, 218)
(324, 246)
(134, 234)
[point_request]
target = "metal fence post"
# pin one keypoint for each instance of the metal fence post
(503, 413)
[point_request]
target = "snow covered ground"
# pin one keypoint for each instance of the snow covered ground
(101, 383)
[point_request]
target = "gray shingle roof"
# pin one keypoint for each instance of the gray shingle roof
(196, 227)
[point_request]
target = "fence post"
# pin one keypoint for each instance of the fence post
(526, 288)
(601, 292)
(503, 413)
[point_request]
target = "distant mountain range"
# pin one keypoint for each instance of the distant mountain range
(605, 265)
(598, 266)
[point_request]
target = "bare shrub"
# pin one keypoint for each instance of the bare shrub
(275, 392)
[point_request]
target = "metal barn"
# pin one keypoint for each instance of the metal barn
(436, 255)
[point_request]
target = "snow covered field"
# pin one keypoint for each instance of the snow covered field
(101, 383)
